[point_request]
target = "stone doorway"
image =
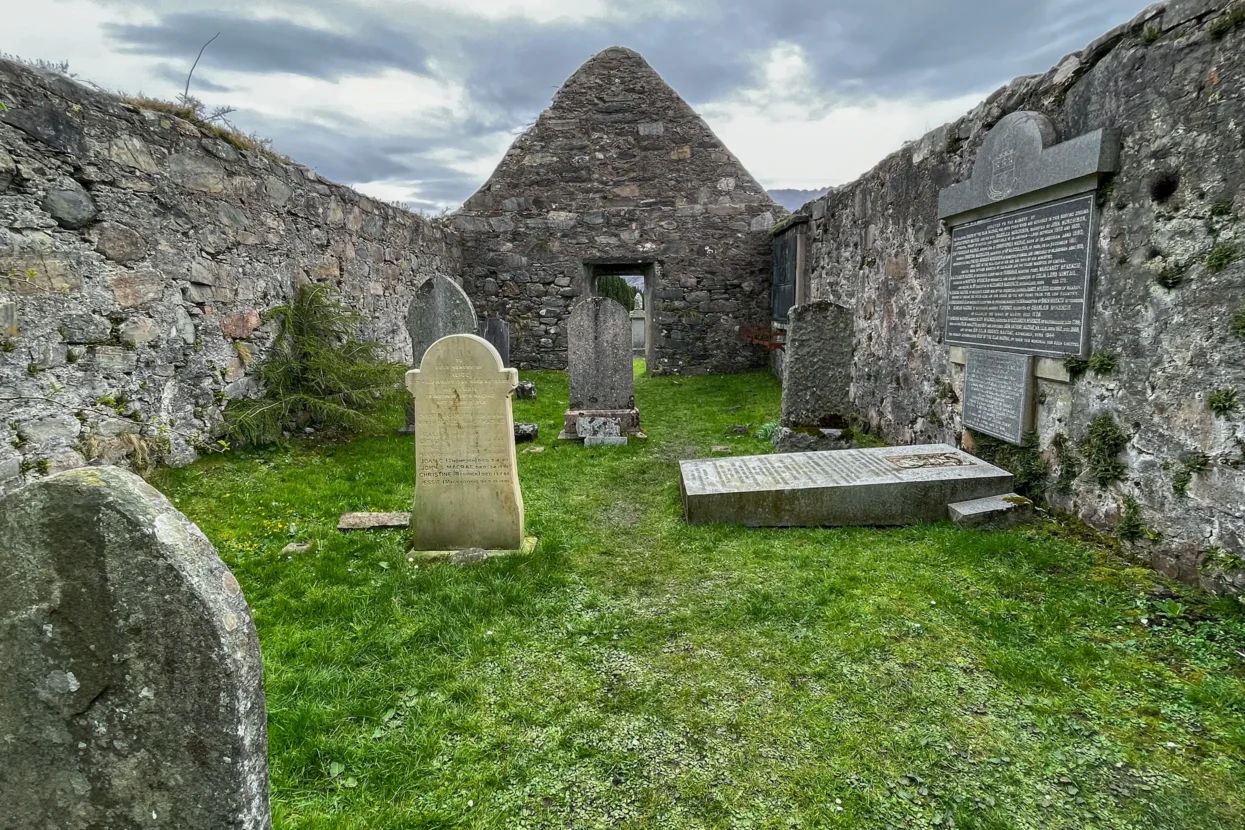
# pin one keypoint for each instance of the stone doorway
(642, 275)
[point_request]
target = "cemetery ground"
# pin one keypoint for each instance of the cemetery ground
(639, 672)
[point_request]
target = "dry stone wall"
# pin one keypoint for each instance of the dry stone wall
(138, 254)
(1168, 320)
(621, 170)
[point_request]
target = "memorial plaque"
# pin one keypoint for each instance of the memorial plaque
(877, 486)
(1021, 281)
(998, 394)
(466, 474)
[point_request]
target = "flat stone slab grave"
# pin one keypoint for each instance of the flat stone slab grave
(876, 486)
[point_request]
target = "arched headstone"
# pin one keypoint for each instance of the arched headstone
(439, 308)
(131, 688)
(466, 474)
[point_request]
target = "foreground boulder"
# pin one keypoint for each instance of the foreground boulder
(131, 689)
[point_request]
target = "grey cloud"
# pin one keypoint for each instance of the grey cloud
(271, 45)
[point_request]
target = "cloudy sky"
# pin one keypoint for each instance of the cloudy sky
(417, 100)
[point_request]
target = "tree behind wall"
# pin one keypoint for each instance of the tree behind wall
(616, 288)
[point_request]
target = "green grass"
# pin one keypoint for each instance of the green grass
(638, 672)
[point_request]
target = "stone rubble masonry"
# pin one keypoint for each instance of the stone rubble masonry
(138, 255)
(1172, 86)
(620, 169)
(133, 692)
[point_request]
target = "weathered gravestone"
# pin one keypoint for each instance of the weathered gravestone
(638, 324)
(131, 688)
(440, 308)
(602, 379)
(877, 486)
(817, 373)
(466, 475)
(1024, 232)
(497, 332)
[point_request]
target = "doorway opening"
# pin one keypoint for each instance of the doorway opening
(640, 275)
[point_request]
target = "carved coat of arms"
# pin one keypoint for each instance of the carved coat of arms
(1003, 178)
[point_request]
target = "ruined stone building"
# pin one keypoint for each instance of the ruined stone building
(620, 176)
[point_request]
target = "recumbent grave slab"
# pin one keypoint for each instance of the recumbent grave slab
(876, 486)
(131, 687)
(466, 473)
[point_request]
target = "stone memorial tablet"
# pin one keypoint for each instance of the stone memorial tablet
(1021, 281)
(466, 474)
(877, 486)
(998, 394)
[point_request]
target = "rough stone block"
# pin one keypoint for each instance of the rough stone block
(133, 692)
(1004, 511)
(628, 421)
(592, 426)
(525, 391)
(372, 521)
(605, 441)
(526, 432)
(881, 486)
(811, 439)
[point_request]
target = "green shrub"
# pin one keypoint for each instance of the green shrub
(616, 288)
(1130, 527)
(1225, 24)
(1075, 366)
(1220, 257)
(1024, 462)
(1237, 326)
(318, 373)
(1150, 35)
(1191, 464)
(1103, 443)
(1222, 402)
(1102, 363)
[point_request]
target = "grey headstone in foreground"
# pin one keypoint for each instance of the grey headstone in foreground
(440, 308)
(817, 367)
(600, 356)
(877, 486)
(131, 688)
(998, 394)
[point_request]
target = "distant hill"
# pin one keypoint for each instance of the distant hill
(795, 199)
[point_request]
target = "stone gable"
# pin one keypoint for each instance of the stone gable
(621, 170)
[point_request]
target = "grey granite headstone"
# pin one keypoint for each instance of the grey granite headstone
(998, 394)
(497, 332)
(877, 486)
(131, 688)
(817, 365)
(440, 308)
(601, 374)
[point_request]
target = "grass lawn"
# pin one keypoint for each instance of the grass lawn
(638, 672)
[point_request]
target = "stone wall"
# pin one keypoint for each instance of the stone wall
(1171, 280)
(621, 170)
(138, 254)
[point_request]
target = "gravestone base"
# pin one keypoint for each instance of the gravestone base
(1000, 512)
(468, 556)
(811, 439)
(876, 486)
(628, 421)
(605, 441)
